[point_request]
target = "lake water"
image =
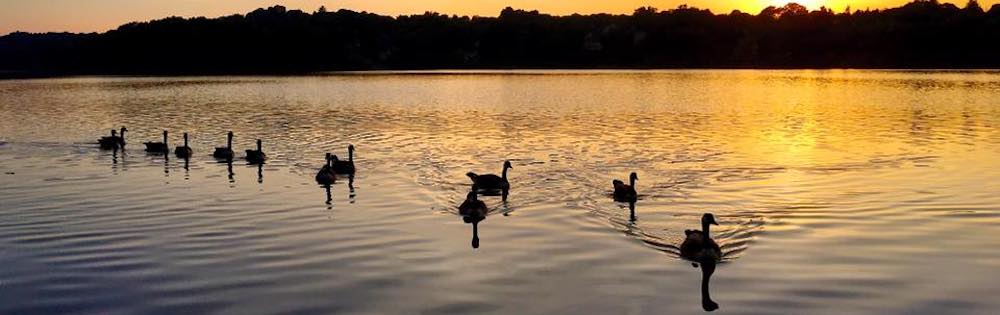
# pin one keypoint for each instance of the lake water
(864, 192)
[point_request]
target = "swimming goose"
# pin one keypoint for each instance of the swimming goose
(121, 137)
(114, 141)
(345, 167)
(626, 193)
(158, 147)
(226, 152)
(326, 176)
(698, 245)
(473, 211)
(108, 143)
(256, 156)
(490, 182)
(184, 151)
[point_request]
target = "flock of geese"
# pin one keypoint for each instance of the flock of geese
(698, 245)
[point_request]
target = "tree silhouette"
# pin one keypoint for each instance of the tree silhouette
(920, 34)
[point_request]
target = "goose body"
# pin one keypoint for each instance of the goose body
(491, 182)
(108, 143)
(184, 151)
(473, 209)
(226, 152)
(698, 245)
(345, 167)
(158, 147)
(626, 193)
(116, 140)
(326, 175)
(256, 156)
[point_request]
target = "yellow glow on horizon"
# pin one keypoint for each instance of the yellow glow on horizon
(102, 15)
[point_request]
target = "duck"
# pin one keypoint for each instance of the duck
(626, 193)
(698, 245)
(158, 147)
(256, 156)
(110, 142)
(345, 167)
(226, 152)
(326, 175)
(184, 151)
(491, 182)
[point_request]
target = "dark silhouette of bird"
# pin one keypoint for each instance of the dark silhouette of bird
(158, 147)
(345, 167)
(226, 152)
(256, 156)
(326, 175)
(491, 183)
(698, 245)
(184, 151)
(626, 193)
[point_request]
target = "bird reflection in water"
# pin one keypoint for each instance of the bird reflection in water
(473, 211)
(229, 168)
(260, 173)
(166, 165)
(631, 211)
(707, 269)
(187, 169)
(350, 187)
(699, 248)
(329, 197)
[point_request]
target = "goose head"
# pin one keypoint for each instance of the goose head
(633, 177)
(707, 219)
(506, 165)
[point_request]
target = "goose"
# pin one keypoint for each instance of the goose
(626, 193)
(698, 245)
(473, 211)
(326, 176)
(256, 156)
(121, 136)
(111, 142)
(490, 182)
(158, 147)
(345, 167)
(114, 141)
(226, 152)
(184, 151)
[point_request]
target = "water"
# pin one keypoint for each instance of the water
(868, 192)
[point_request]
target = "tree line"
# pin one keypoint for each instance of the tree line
(920, 34)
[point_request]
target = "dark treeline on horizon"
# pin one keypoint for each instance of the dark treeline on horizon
(921, 34)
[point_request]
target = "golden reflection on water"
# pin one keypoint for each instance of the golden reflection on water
(800, 167)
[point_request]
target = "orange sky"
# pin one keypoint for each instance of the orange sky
(101, 15)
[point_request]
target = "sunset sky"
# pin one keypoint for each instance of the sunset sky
(102, 15)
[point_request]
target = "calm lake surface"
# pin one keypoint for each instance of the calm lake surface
(864, 192)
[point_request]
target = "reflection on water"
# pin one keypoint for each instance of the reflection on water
(707, 269)
(799, 166)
